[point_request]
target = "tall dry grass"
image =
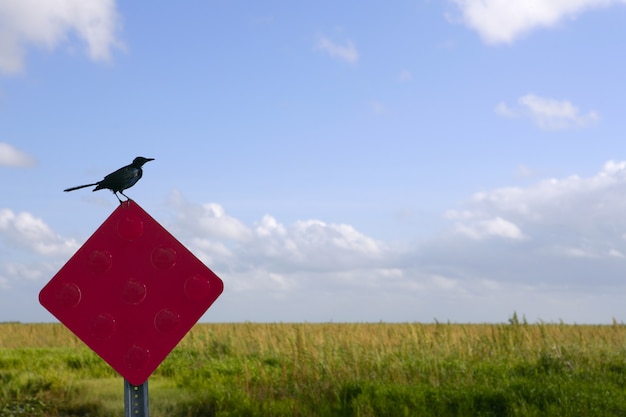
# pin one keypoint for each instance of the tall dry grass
(334, 369)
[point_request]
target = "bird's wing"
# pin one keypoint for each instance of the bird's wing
(121, 179)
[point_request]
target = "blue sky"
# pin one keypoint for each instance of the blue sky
(453, 160)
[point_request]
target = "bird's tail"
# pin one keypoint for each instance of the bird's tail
(80, 186)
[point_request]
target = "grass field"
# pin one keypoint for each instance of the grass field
(250, 369)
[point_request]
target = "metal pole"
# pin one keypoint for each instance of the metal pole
(135, 399)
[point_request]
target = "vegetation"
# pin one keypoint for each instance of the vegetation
(250, 369)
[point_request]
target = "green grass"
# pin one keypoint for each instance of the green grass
(249, 369)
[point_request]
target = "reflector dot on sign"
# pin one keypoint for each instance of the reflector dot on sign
(102, 327)
(99, 261)
(166, 321)
(136, 357)
(130, 228)
(68, 295)
(197, 287)
(163, 258)
(133, 292)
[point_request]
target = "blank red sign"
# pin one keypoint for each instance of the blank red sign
(131, 292)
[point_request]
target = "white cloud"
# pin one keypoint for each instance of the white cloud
(551, 250)
(547, 197)
(565, 232)
(312, 245)
(30, 232)
(23, 271)
(504, 21)
(548, 113)
(268, 226)
(210, 251)
(553, 114)
(305, 245)
(274, 260)
(537, 249)
(550, 242)
(496, 227)
(49, 23)
(13, 157)
(346, 52)
(208, 220)
(504, 110)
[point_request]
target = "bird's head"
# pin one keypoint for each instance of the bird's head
(140, 160)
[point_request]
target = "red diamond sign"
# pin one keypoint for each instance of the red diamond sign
(131, 292)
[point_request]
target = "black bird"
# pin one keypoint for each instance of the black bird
(121, 179)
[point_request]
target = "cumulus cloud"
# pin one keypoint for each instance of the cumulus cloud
(23, 271)
(496, 227)
(535, 249)
(345, 52)
(312, 245)
(12, 157)
(565, 232)
(548, 113)
(30, 251)
(208, 220)
(549, 197)
(504, 21)
(305, 245)
(502, 109)
(30, 232)
(555, 249)
(50, 23)
(276, 259)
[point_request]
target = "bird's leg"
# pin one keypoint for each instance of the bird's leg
(128, 200)
(118, 198)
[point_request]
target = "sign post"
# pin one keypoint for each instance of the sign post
(135, 400)
(131, 293)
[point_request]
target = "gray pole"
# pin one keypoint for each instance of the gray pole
(135, 399)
